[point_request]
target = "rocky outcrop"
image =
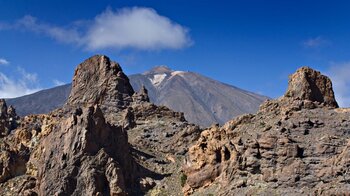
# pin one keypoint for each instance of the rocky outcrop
(92, 157)
(295, 145)
(98, 80)
(160, 139)
(75, 150)
(8, 118)
(308, 84)
(96, 144)
(141, 96)
(204, 101)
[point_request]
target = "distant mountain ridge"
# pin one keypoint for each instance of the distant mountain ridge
(42, 101)
(204, 101)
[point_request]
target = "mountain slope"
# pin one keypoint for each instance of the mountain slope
(41, 102)
(204, 101)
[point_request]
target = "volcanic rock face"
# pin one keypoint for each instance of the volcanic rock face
(92, 157)
(98, 80)
(308, 84)
(74, 150)
(296, 145)
(8, 118)
(108, 140)
(83, 149)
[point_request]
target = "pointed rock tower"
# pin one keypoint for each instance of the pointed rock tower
(98, 80)
(87, 151)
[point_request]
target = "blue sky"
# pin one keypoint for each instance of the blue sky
(252, 44)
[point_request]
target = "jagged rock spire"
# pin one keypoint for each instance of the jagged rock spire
(3, 108)
(8, 118)
(141, 96)
(98, 80)
(308, 84)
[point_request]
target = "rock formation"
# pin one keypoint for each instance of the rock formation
(108, 140)
(98, 80)
(8, 118)
(308, 84)
(82, 148)
(296, 145)
(75, 150)
(92, 157)
(141, 96)
(203, 101)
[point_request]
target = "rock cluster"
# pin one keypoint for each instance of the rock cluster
(75, 150)
(83, 147)
(108, 140)
(295, 145)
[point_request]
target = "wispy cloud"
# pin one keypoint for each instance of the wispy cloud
(4, 61)
(58, 83)
(137, 27)
(61, 34)
(24, 83)
(339, 74)
(316, 42)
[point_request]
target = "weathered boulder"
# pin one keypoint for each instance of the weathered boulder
(308, 84)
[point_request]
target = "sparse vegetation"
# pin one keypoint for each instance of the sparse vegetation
(183, 180)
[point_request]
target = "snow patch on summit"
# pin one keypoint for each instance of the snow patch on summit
(177, 73)
(157, 79)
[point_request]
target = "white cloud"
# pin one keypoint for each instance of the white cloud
(4, 61)
(25, 83)
(141, 28)
(316, 42)
(138, 28)
(339, 74)
(58, 83)
(61, 34)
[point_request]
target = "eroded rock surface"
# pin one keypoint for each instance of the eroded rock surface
(83, 148)
(8, 118)
(295, 145)
(98, 80)
(308, 84)
(80, 148)
(91, 157)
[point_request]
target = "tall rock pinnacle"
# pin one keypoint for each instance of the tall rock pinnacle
(98, 80)
(308, 84)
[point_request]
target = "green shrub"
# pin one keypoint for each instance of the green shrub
(183, 180)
